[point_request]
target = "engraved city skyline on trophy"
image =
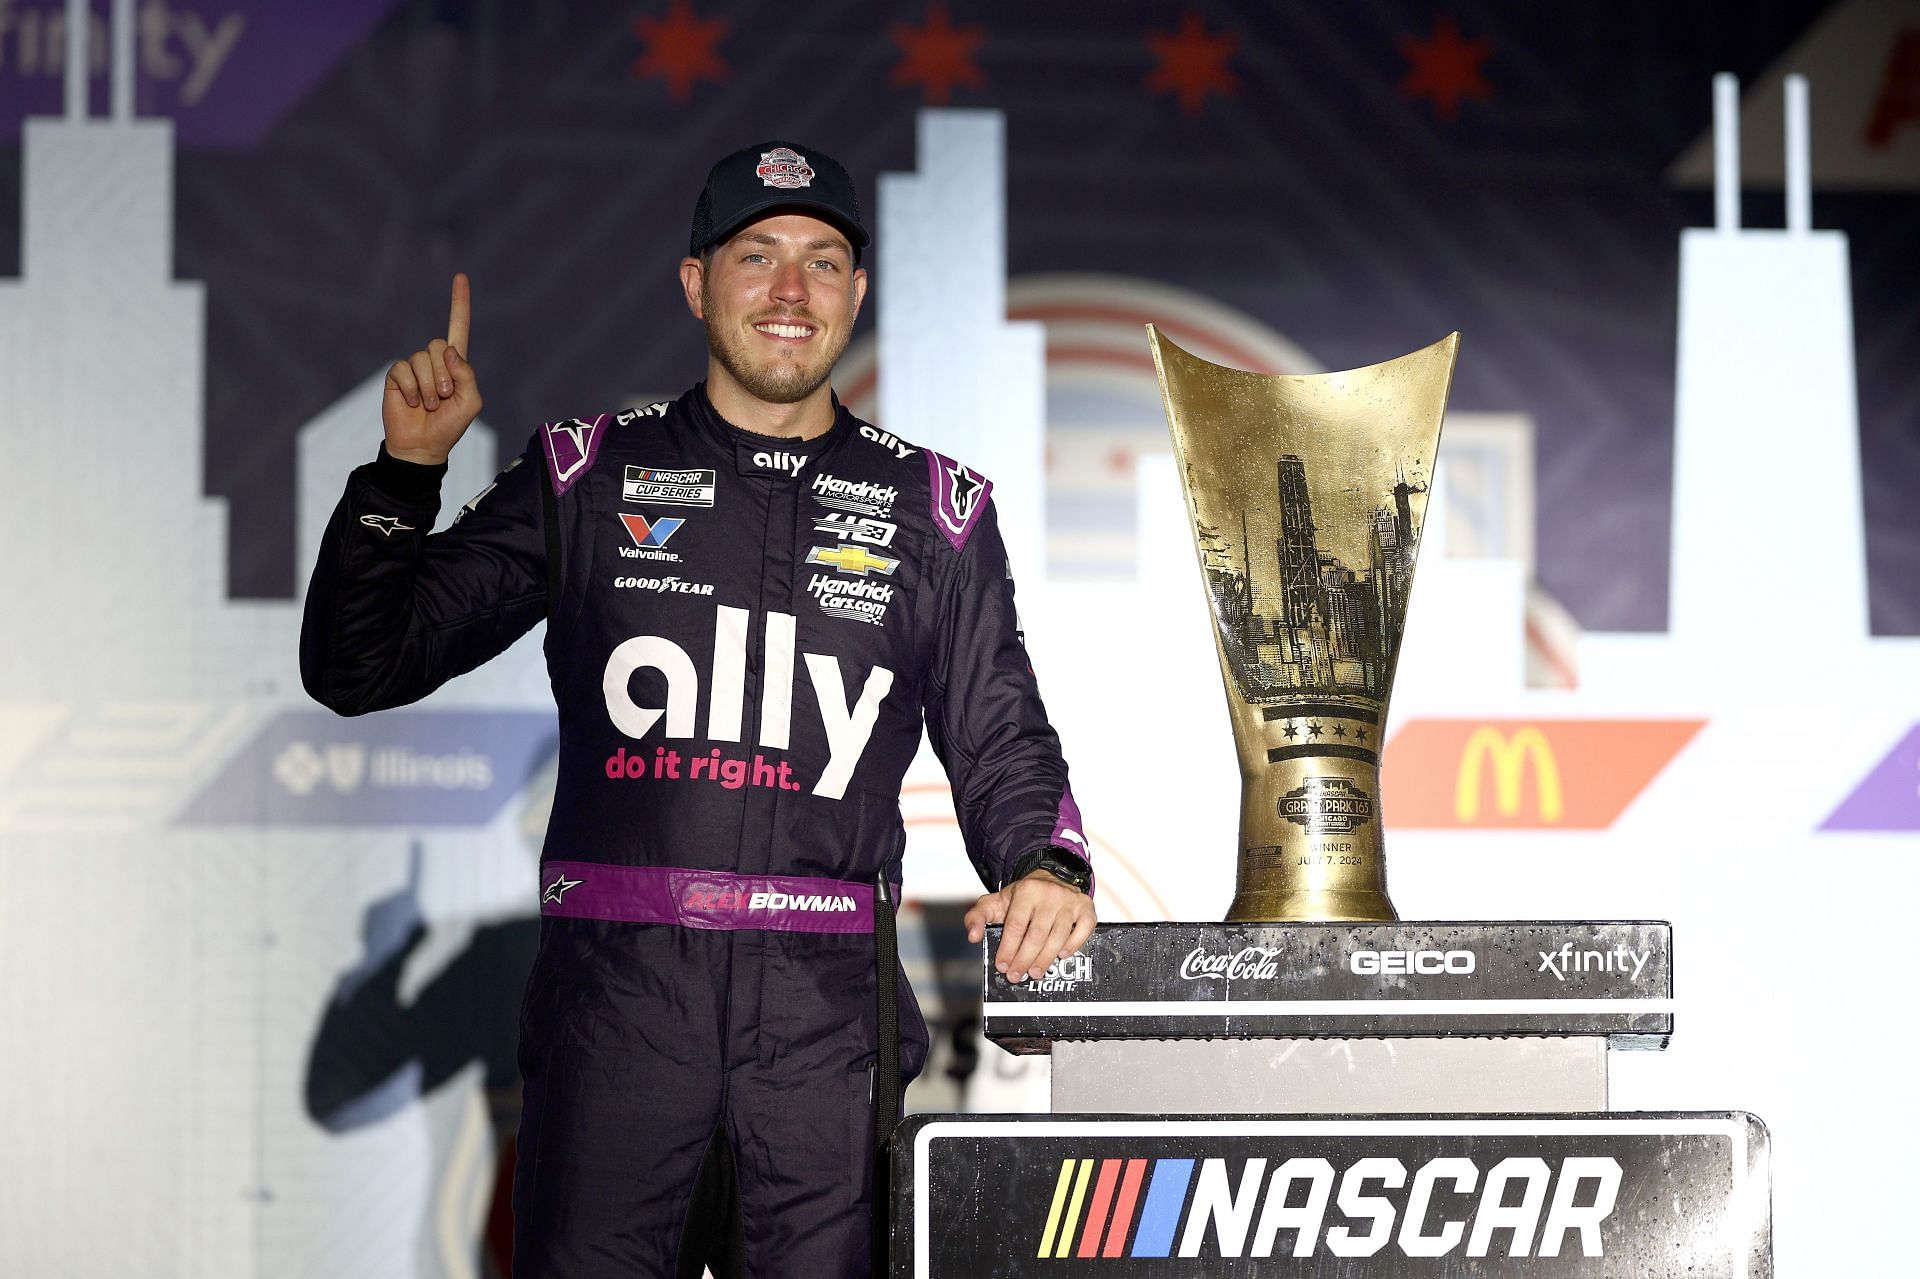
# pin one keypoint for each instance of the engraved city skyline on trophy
(1313, 623)
(1307, 496)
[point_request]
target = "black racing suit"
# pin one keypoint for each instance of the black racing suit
(744, 635)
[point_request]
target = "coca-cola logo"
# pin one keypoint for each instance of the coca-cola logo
(1250, 963)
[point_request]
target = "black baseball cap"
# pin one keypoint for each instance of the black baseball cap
(768, 176)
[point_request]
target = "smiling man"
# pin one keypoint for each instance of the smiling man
(753, 601)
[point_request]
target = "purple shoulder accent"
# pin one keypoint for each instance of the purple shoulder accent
(959, 498)
(572, 447)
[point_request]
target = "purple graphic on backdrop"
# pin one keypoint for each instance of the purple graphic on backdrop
(224, 71)
(1889, 798)
(403, 768)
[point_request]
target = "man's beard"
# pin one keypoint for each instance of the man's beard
(775, 381)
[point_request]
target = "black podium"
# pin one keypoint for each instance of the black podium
(1336, 1100)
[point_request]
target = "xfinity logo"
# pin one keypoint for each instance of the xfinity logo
(1251, 963)
(1375, 963)
(1568, 960)
(886, 439)
(847, 728)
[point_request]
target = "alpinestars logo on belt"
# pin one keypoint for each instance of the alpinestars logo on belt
(559, 888)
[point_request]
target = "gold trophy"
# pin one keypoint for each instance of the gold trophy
(1307, 496)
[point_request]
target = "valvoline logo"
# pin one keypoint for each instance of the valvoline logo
(650, 534)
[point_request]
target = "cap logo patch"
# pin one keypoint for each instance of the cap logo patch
(785, 168)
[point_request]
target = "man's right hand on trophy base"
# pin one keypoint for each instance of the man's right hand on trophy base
(432, 396)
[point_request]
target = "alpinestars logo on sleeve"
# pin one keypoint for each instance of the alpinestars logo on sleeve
(388, 525)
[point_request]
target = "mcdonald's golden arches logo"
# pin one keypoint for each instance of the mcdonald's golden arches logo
(1563, 774)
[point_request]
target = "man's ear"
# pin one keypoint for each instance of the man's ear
(692, 277)
(859, 289)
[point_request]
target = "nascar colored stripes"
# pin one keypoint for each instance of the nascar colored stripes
(1110, 1216)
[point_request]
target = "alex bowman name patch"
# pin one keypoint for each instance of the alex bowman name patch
(668, 488)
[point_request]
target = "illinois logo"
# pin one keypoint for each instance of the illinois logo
(1524, 774)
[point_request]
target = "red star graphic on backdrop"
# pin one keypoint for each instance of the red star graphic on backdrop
(679, 49)
(1192, 63)
(937, 56)
(1446, 68)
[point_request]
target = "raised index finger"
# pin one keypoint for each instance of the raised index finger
(460, 315)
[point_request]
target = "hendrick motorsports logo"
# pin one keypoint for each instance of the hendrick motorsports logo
(1327, 806)
(856, 497)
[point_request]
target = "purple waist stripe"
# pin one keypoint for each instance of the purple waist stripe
(712, 899)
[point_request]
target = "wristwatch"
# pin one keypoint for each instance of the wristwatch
(1068, 867)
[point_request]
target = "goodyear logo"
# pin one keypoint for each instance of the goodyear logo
(1524, 774)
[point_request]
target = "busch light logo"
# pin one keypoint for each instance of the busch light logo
(1069, 972)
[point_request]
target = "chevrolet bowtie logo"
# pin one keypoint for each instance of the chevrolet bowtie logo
(853, 559)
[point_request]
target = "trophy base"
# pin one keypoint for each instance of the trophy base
(1311, 905)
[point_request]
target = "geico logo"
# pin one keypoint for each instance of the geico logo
(847, 728)
(1525, 1206)
(1371, 963)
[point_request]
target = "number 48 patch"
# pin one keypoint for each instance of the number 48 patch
(857, 528)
